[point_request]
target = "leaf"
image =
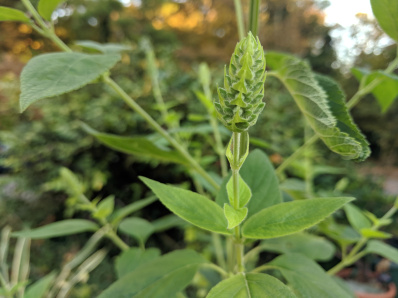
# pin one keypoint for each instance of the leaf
(244, 192)
(130, 259)
(324, 110)
(369, 233)
(167, 222)
(118, 215)
(40, 287)
(288, 218)
(190, 206)
(137, 227)
(343, 234)
(382, 249)
(312, 246)
(387, 89)
(11, 14)
(139, 146)
(58, 229)
(46, 7)
(250, 285)
(53, 74)
(307, 278)
(234, 217)
(386, 13)
(105, 208)
(160, 278)
(106, 48)
(356, 218)
(259, 174)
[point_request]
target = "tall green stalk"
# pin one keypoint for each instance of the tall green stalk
(239, 19)
(253, 16)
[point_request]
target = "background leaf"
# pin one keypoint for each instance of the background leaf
(382, 249)
(130, 259)
(53, 74)
(194, 208)
(105, 207)
(356, 218)
(11, 14)
(259, 175)
(131, 208)
(46, 7)
(137, 227)
(106, 48)
(386, 13)
(160, 278)
(250, 285)
(58, 229)
(40, 287)
(288, 218)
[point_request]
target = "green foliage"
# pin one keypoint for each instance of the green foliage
(137, 227)
(64, 72)
(250, 285)
(130, 259)
(356, 218)
(121, 213)
(107, 48)
(382, 249)
(105, 208)
(40, 287)
(244, 192)
(58, 229)
(184, 203)
(288, 218)
(11, 14)
(386, 13)
(46, 7)
(234, 216)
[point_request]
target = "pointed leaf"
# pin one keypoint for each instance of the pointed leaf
(244, 192)
(11, 14)
(369, 233)
(53, 74)
(288, 218)
(105, 208)
(58, 229)
(386, 13)
(160, 278)
(106, 48)
(137, 227)
(323, 109)
(40, 287)
(250, 285)
(382, 249)
(307, 278)
(131, 208)
(46, 7)
(194, 208)
(139, 146)
(130, 259)
(356, 218)
(234, 217)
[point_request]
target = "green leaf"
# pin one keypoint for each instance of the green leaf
(167, 222)
(139, 146)
(190, 206)
(259, 175)
(118, 215)
(343, 234)
(105, 208)
(40, 287)
(46, 7)
(312, 246)
(386, 91)
(54, 74)
(250, 285)
(382, 249)
(324, 110)
(356, 218)
(206, 102)
(307, 278)
(369, 233)
(106, 48)
(137, 227)
(288, 218)
(160, 278)
(386, 13)
(244, 142)
(130, 259)
(234, 217)
(58, 229)
(11, 14)
(244, 192)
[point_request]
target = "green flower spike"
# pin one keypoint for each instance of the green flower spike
(240, 101)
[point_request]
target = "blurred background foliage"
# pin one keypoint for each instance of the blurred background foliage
(48, 136)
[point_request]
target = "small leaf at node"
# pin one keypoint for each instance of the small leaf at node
(234, 217)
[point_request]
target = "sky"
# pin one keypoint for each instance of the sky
(343, 11)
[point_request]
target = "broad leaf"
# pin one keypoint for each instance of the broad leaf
(244, 192)
(194, 208)
(250, 285)
(40, 287)
(139, 146)
(323, 109)
(11, 14)
(387, 89)
(312, 246)
(137, 227)
(106, 48)
(234, 217)
(58, 229)
(160, 278)
(46, 7)
(130, 259)
(382, 249)
(307, 278)
(288, 218)
(53, 74)
(259, 174)
(356, 218)
(118, 215)
(386, 13)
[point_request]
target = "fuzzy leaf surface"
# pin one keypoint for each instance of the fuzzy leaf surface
(130, 259)
(234, 217)
(244, 192)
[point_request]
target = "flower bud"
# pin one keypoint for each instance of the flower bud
(240, 101)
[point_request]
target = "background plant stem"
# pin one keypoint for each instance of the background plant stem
(253, 16)
(239, 19)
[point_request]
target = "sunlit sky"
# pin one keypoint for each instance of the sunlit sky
(343, 11)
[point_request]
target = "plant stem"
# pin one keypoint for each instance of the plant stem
(117, 240)
(216, 268)
(239, 19)
(253, 16)
(263, 268)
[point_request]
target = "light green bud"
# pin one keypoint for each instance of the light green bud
(240, 101)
